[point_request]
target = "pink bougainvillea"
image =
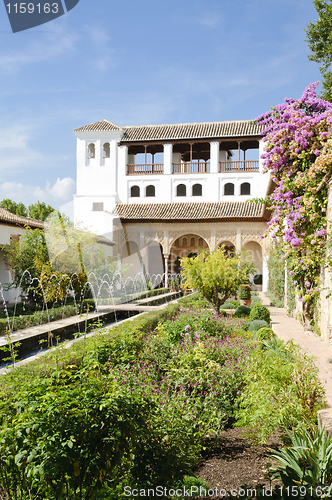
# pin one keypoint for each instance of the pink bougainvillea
(298, 153)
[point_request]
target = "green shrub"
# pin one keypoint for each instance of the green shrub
(242, 311)
(265, 334)
(227, 305)
(244, 292)
(259, 311)
(282, 391)
(257, 324)
(307, 461)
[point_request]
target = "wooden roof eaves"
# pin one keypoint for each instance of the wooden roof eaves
(169, 221)
(148, 142)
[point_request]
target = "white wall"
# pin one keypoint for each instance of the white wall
(6, 231)
(110, 184)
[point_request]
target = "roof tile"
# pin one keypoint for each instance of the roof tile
(208, 130)
(221, 210)
(12, 219)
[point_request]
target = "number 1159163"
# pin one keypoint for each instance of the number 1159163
(30, 8)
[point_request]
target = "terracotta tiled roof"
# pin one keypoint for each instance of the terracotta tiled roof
(103, 125)
(221, 210)
(7, 217)
(175, 131)
(190, 131)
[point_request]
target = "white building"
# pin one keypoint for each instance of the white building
(187, 182)
(11, 228)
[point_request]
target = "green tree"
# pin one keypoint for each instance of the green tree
(40, 210)
(47, 265)
(216, 275)
(15, 208)
(319, 38)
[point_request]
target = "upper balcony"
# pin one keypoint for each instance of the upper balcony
(145, 168)
(238, 166)
(193, 167)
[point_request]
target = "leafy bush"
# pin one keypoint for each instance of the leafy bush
(19, 322)
(257, 324)
(306, 462)
(260, 312)
(264, 334)
(242, 311)
(244, 292)
(227, 305)
(255, 300)
(195, 300)
(282, 392)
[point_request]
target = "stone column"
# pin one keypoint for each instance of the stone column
(265, 274)
(168, 156)
(214, 157)
(166, 269)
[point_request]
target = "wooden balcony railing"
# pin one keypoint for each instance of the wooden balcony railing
(238, 166)
(191, 168)
(148, 168)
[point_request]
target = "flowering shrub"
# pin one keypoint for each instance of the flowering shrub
(298, 139)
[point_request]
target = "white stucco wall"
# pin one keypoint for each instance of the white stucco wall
(107, 182)
(9, 296)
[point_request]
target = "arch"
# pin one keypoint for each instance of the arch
(197, 190)
(106, 150)
(229, 248)
(179, 249)
(229, 189)
(255, 255)
(245, 188)
(91, 150)
(150, 190)
(181, 190)
(135, 192)
(153, 260)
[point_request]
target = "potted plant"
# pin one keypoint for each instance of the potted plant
(245, 295)
(258, 281)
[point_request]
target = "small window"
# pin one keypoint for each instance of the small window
(177, 243)
(135, 192)
(184, 242)
(106, 150)
(91, 150)
(150, 191)
(181, 190)
(200, 242)
(197, 190)
(245, 188)
(229, 189)
(97, 207)
(192, 242)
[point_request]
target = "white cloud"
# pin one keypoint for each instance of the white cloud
(56, 45)
(15, 152)
(60, 192)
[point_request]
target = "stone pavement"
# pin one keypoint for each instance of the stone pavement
(287, 328)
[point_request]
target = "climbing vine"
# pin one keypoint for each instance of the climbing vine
(298, 153)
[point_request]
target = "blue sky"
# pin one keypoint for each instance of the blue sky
(135, 63)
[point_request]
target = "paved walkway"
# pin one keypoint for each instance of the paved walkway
(291, 329)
